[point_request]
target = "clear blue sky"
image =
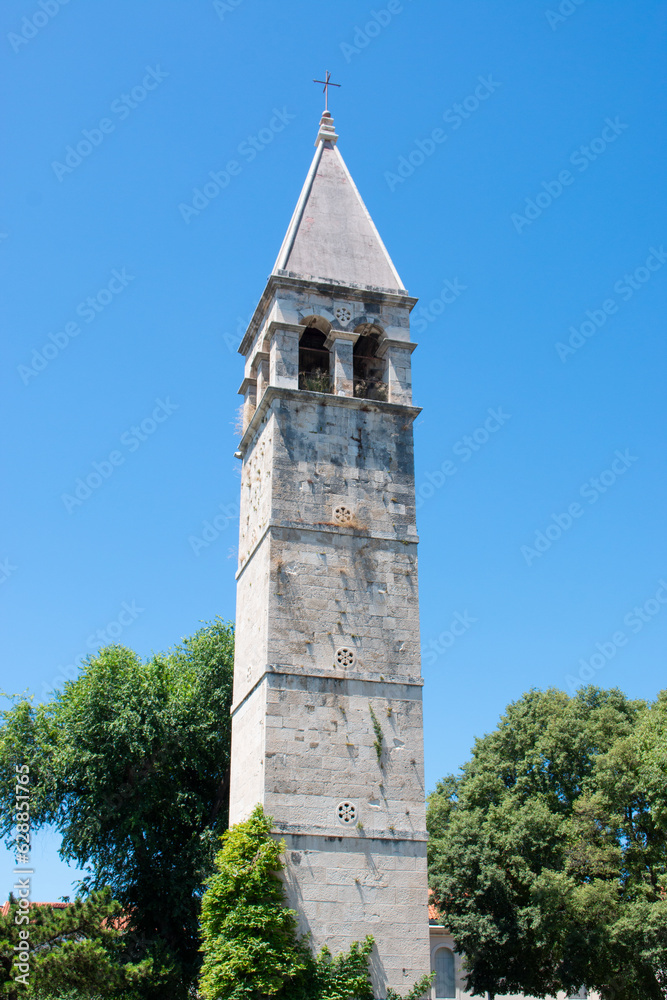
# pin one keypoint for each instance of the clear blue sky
(542, 201)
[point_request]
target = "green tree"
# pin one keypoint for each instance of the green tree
(251, 947)
(74, 950)
(649, 745)
(130, 762)
(547, 855)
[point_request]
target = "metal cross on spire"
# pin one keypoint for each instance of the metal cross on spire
(325, 89)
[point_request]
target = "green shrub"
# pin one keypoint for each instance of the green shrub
(315, 381)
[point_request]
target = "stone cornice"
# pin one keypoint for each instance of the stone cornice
(329, 833)
(305, 395)
(387, 343)
(277, 324)
(330, 287)
(350, 677)
(323, 528)
(243, 388)
(334, 335)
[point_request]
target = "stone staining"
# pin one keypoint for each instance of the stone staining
(327, 713)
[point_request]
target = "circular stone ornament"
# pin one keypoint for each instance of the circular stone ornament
(343, 315)
(346, 812)
(342, 514)
(345, 657)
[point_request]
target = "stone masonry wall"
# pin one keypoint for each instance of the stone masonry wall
(247, 772)
(344, 890)
(333, 748)
(330, 740)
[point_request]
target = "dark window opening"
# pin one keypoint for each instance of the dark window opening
(313, 361)
(368, 369)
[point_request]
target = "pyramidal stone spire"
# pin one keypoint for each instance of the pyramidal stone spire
(331, 235)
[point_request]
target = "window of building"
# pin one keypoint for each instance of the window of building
(313, 361)
(445, 980)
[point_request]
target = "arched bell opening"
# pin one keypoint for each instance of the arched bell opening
(314, 361)
(368, 368)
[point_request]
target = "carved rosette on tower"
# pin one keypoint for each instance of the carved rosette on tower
(327, 714)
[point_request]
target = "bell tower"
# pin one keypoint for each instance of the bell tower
(327, 713)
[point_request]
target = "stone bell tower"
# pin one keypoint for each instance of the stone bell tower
(327, 714)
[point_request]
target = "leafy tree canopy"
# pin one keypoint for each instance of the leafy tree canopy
(130, 762)
(548, 854)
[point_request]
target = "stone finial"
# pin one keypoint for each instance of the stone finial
(327, 132)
